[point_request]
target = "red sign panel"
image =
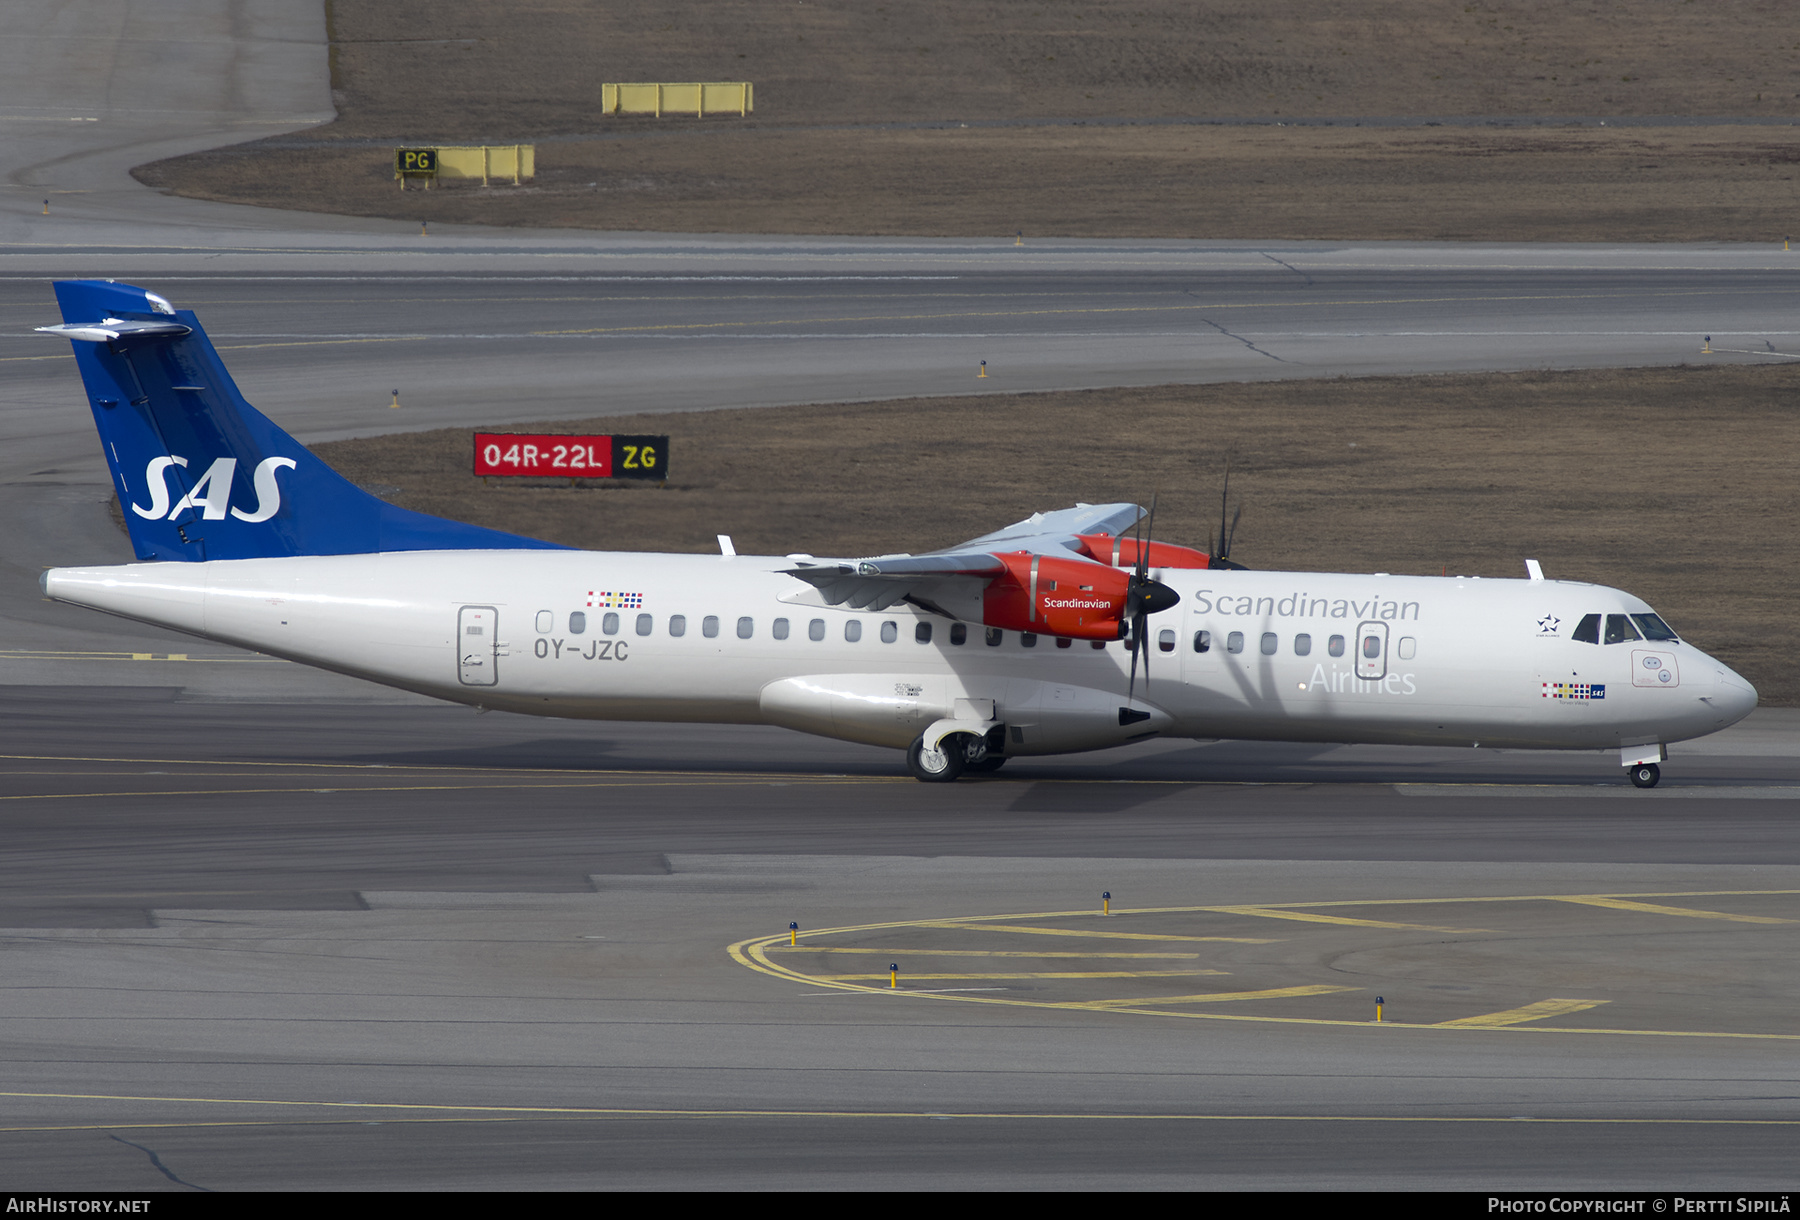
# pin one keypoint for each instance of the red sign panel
(565, 457)
(560, 456)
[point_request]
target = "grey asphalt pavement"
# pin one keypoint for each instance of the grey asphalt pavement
(266, 928)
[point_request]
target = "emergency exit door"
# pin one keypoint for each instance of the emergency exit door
(1371, 651)
(477, 634)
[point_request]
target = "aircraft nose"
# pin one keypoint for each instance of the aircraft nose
(1736, 698)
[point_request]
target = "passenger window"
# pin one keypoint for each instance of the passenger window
(1234, 642)
(1165, 640)
(1587, 631)
(1408, 646)
(779, 629)
(1202, 641)
(1619, 629)
(678, 625)
(959, 633)
(610, 624)
(1653, 627)
(922, 633)
(746, 628)
(645, 624)
(852, 631)
(1372, 647)
(709, 626)
(1303, 645)
(577, 623)
(1063, 641)
(890, 631)
(993, 637)
(1027, 639)
(1270, 642)
(1335, 645)
(815, 630)
(546, 622)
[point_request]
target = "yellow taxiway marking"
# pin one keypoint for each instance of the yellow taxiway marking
(1651, 908)
(450, 1112)
(1000, 927)
(1309, 917)
(432, 768)
(33, 654)
(1217, 997)
(1403, 902)
(755, 952)
(1034, 953)
(1037, 974)
(1518, 1016)
(496, 786)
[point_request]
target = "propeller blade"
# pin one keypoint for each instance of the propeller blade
(1219, 556)
(1144, 597)
(1224, 503)
(1131, 689)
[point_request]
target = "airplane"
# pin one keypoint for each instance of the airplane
(1024, 642)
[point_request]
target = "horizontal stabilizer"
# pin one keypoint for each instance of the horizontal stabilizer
(115, 330)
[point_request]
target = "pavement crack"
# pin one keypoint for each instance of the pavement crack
(160, 1167)
(1288, 265)
(1246, 342)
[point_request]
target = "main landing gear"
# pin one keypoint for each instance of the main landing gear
(957, 753)
(1645, 775)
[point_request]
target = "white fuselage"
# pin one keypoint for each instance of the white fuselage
(1456, 661)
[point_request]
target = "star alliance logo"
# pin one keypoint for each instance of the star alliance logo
(1548, 624)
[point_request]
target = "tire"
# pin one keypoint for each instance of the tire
(1645, 775)
(993, 762)
(940, 766)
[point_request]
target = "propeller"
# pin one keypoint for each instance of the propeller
(1221, 557)
(1144, 597)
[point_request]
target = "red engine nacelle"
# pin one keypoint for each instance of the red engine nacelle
(1052, 596)
(1122, 552)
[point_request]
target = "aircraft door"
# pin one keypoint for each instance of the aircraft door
(1371, 651)
(477, 637)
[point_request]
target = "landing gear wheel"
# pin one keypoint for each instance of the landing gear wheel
(939, 766)
(993, 762)
(1645, 775)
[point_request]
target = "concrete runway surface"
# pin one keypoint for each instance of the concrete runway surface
(267, 928)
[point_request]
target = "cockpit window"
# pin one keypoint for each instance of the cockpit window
(1587, 631)
(1619, 629)
(1653, 627)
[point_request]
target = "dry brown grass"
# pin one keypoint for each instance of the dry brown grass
(458, 71)
(1440, 184)
(1674, 483)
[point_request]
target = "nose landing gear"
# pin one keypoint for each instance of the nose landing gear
(956, 754)
(1645, 775)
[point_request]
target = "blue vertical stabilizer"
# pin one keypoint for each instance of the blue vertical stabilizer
(201, 474)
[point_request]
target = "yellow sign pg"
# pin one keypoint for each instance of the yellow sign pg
(415, 161)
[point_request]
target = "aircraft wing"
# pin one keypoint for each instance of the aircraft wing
(963, 571)
(876, 584)
(1042, 533)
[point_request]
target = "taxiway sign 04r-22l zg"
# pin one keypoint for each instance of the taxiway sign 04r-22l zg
(1027, 641)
